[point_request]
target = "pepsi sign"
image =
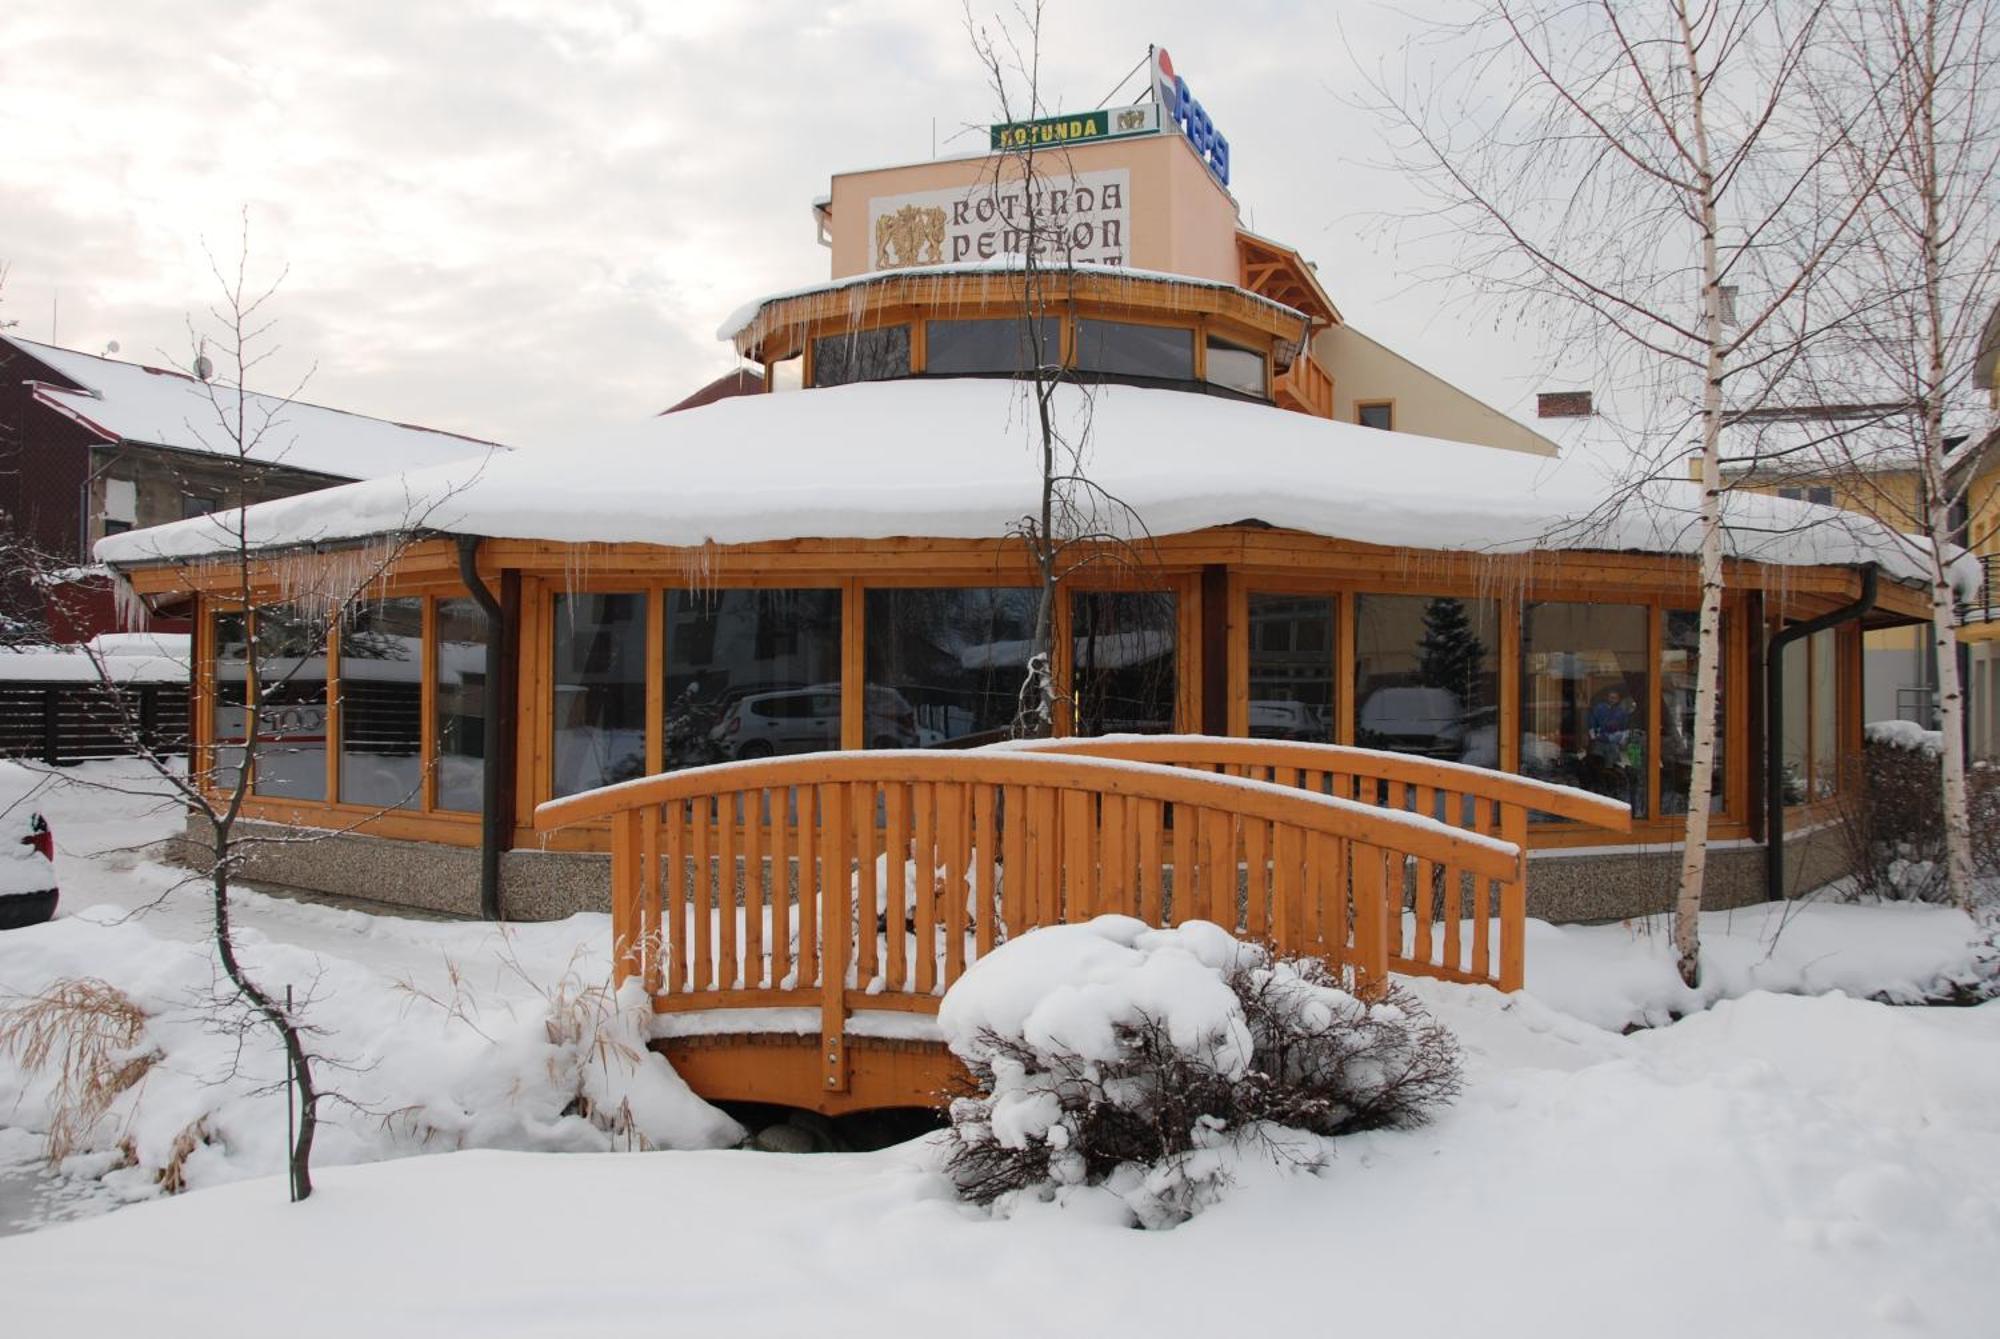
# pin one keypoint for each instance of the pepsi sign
(1181, 109)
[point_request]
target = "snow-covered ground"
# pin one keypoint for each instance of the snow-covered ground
(1773, 1165)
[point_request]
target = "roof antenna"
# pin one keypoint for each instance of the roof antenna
(204, 367)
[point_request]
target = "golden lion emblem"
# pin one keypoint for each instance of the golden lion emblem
(914, 235)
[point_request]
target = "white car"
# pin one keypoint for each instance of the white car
(27, 871)
(807, 720)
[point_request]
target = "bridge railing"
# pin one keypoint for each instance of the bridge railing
(843, 881)
(1455, 918)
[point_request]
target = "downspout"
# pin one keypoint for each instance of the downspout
(492, 822)
(1774, 725)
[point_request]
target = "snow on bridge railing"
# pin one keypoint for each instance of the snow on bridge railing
(872, 880)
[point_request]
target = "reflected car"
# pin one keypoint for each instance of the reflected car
(1413, 720)
(1275, 718)
(807, 720)
(27, 871)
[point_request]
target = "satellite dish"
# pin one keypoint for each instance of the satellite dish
(111, 348)
(203, 368)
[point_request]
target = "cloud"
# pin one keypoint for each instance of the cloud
(523, 220)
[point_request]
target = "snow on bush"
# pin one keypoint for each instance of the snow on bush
(1145, 1061)
(1892, 821)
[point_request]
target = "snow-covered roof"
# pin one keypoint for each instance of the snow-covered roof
(739, 320)
(113, 657)
(128, 402)
(953, 458)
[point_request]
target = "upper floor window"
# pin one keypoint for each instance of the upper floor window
(861, 355)
(1376, 414)
(1004, 346)
(1235, 368)
(1124, 349)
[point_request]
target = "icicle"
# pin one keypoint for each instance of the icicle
(133, 615)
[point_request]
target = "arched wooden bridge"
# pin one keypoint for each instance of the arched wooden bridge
(798, 919)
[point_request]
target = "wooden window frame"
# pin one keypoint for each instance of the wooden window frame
(1389, 404)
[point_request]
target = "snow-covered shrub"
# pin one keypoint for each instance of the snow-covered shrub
(1111, 1053)
(1892, 818)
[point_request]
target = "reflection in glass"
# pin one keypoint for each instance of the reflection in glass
(1796, 731)
(291, 704)
(232, 676)
(1680, 645)
(1825, 722)
(1124, 673)
(1122, 349)
(753, 673)
(862, 355)
(461, 705)
(1583, 698)
(946, 666)
(1002, 347)
(1425, 678)
(1236, 369)
(1291, 667)
(382, 704)
(600, 690)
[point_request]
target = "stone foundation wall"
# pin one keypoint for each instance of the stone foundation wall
(549, 885)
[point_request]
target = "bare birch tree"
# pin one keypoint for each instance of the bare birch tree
(1635, 178)
(1076, 521)
(1910, 84)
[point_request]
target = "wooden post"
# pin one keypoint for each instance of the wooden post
(835, 897)
(625, 896)
(1371, 918)
(1514, 902)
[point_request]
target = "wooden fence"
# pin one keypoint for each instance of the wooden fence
(1454, 919)
(872, 880)
(68, 722)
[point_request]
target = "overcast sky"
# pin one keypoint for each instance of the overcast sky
(523, 219)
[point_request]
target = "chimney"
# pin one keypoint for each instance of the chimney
(1563, 404)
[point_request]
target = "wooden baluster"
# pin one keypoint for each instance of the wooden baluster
(951, 884)
(1256, 895)
(1454, 916)
(985, 849)
(753, 889)
(625, 896)
(1079, 828)
(808, 914)
(861, 809)
(782, 846)
(1152, 857)
(1046, 834)
(702, 977)
(1287, 911)
(925, 893)
(1371, 921)
(896, 841)
(1326, 897)
(727, 972)
(650, 941)
(1015, 877)
(1425, 904)
(676, 912)
(1186, 908)
(1482, 902)
(836, 913)
(1111, 882)
(1514, 902)
(1218, 849)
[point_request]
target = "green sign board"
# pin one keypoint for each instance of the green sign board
(1079, 128)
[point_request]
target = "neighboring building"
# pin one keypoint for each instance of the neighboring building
(91, 446)
(742, 381)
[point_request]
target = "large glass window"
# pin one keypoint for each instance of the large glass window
(754, 673)
(1124, 674)
(1425, 677)
(291, 704)
(232, 696)
(1810, 728)
(946, 665)
(1122, 349)
(1291, 667)
(1795, 733)
(1680, 644)
(1237, 369)
(600, 690)
(1825, 713)
(382, 704)
(461, 705)
(1002, 346)
(862, 355)
(1583, 698)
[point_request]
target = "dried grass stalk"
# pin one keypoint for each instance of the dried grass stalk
(87, 1030)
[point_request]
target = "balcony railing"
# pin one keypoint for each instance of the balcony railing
(1985, 604)
(1306, 387)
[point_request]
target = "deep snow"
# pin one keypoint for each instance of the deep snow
(1774, 1166)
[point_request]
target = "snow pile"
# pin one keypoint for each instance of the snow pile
(1154, 1062)
(1621, 976)
(1904, 735)
(951, 459)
